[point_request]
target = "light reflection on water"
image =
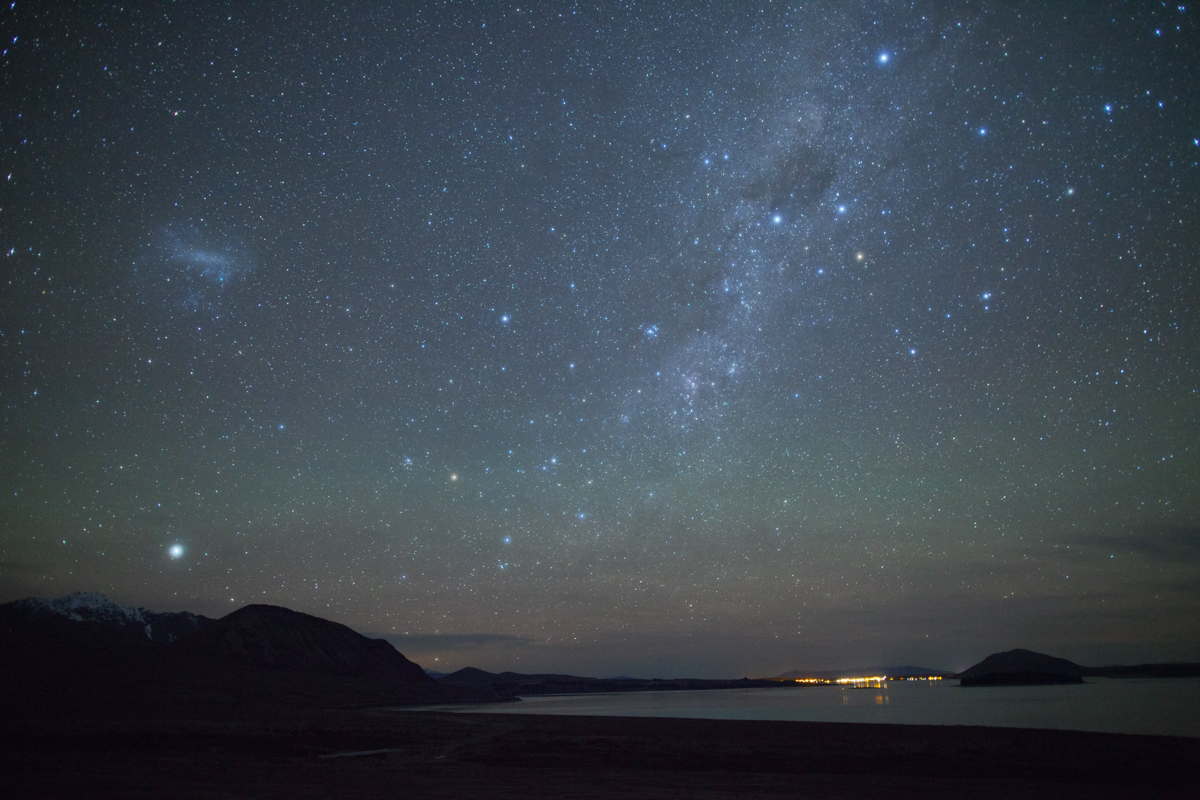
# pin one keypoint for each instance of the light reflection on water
(1163, 706)
(849, 696)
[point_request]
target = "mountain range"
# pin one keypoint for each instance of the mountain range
(85, 651)
(511, 684)
(90, 617)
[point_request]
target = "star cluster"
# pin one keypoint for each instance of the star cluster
(610, 339)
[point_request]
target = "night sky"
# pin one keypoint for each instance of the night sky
(611, 338)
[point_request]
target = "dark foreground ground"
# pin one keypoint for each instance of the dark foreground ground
(436, 755)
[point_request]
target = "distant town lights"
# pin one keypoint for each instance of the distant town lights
(872, 681)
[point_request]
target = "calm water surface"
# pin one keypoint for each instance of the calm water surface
(1166, 706)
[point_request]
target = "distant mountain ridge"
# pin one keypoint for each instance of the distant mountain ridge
(515, 684)
(84, 648)
(84, 651)
(104, 621)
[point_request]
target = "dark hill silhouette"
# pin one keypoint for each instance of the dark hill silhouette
(256, 657)
(470, 675)
(1023, 668)
(281, 639)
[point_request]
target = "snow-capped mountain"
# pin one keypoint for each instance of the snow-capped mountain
(85, 652)
(100, 614)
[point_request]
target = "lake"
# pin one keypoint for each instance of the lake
(1164, 706)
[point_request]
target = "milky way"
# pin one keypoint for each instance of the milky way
(612, 340)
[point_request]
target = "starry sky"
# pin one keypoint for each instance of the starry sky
(611, 338)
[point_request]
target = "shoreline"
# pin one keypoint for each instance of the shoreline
(1106, 707)
(243, 752)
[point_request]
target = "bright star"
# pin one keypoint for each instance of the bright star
(176, 551)
(883, 58)
(777, 219)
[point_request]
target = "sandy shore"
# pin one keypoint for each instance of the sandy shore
(383, 753)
